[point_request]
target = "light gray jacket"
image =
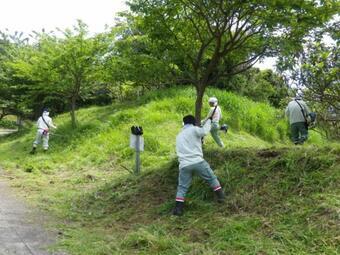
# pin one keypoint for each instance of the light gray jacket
(189, 144)
(294, 113)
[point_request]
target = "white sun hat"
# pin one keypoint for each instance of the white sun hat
(213, 100)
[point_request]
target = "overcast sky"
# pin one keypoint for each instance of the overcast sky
(28, 15)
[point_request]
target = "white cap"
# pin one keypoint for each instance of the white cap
(212, 100)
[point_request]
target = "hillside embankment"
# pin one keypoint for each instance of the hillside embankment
(281, 199)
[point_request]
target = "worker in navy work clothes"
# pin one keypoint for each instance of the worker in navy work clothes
(190, 157)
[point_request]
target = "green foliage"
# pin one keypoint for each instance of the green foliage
(13, 88)
(4, 123)
(263, 86)
(155, 45)
(315, 71)
(210, 40)
(57, 71)
(66, 66)
(133, 59)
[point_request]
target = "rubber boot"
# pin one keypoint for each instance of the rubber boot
(178, 210)
(220, 196)
(33, 150)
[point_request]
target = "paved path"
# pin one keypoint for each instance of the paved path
(4, 131)
(20, 227)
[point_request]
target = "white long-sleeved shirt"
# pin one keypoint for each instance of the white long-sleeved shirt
(294, 113)
(189, 144)
(217, 114)
(42, 125)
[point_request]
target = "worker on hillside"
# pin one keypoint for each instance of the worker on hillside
(216, 114)
(190, 157)
(44, 124)
(297, 112)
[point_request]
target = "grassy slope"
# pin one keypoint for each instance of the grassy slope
(281, 201)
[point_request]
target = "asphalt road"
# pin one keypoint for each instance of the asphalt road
(4, 131)
(21, 227)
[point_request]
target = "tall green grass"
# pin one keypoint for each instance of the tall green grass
(103, 132)
(279, 201)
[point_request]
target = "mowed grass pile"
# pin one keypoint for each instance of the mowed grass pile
(104, 209)
(279, 201)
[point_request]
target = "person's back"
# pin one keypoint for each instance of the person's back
(189, 144)
(44, 122)
(190, 157)
(297, 112)
(294, 111)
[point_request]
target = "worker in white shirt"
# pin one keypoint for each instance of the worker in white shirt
(216, 114)
(190, 157)
(44, 124)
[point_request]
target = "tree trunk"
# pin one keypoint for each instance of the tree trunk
(2, 114)
(200, 88)
(73, 112)
(19, 122)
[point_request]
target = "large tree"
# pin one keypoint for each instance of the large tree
(214, 39)
(13, 89)
(315, 68)
(63, 67)
(315, 71)
(132, 61)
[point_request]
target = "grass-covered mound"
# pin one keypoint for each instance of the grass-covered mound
(102, 137)
(279, 201)
(84, 180)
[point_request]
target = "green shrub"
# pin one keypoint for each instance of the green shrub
(8, 124)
